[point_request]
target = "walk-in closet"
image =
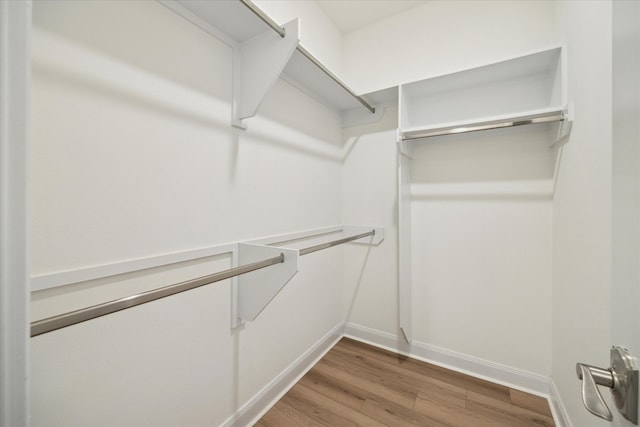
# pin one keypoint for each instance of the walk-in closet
(320, 212)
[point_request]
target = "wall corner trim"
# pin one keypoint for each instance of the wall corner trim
(15, 125)
(272, 392)
(559, 411)
(501, 374)
(508, 376)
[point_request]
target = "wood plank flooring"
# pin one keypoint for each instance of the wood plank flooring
(356, 384)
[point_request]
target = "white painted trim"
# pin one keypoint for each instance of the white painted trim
(271, 240)
(403, 183)
(480, 368)
(385, 340)
(62, 278)
(280, 240)
(496, 373)
(558, 409)
(15, 112)
(272, 392)
(68, 277)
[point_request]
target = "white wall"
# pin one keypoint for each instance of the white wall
(625, 294)
(317, 33)
(441, 37)
(582, 206)
(133, 155)
(481, 225)
(369, 197)
(481, 203)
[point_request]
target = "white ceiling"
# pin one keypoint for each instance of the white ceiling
(350, 15)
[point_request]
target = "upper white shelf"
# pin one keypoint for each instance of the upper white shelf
(325, 86)
(259, 41)
(521, 90)
(233, 18)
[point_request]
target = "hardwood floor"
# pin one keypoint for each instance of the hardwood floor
(356, 384)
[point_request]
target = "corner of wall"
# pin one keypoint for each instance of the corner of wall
(559, 411)
(257, 406)
(501, 374)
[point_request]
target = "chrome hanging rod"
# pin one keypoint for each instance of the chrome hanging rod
(335, 78)
(49, 324)
(267, 20)
(322, 246)
(280, 30)
(554, 116)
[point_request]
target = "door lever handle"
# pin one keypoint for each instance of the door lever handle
(622, 378)
(591, 377)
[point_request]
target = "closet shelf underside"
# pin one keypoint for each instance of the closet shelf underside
(241, 21)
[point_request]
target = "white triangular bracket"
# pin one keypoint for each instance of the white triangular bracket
(404, 246)
(257, 64)
(405, 148)
(255, 290)
(564, 127)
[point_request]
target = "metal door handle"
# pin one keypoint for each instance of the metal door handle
(592, 376)
(621, 378)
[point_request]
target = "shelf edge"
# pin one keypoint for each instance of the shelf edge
(549, 116)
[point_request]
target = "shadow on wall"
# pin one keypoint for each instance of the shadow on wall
(517, 154)
(173, 69)
(352, 135)
(166, 46)
(292, 120)
(354, 294)
(89, 71)
(503, 164)
(288, 106)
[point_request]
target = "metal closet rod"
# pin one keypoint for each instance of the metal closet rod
(281, 31)
(53, 323)
(322, 246)
(267, 20)
(554, 116)
(49, 324)
(335, 78)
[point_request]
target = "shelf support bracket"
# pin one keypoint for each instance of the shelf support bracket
(255, 290)
(404, 246)
(564, 127)
(257, 64)
(405, 148)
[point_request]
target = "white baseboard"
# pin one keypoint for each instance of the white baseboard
(272, 392)
(560, 415)
(501, 374)
(506, 375)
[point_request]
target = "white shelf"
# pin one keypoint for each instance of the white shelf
(230, 17)
(303, 73)
(262, 55)
(545, 115)
(505, 92)
(518, 91)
